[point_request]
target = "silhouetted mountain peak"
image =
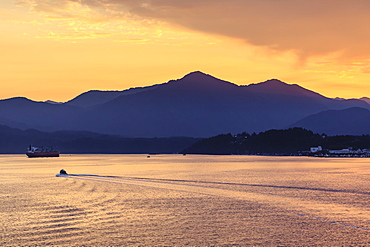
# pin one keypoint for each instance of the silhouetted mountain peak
(277, 87)
(271, 84)
(18, 99)
(275, 82)
(197, 75)
(199, 80)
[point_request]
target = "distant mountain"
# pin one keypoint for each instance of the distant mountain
(14, 140)
(284, 95)
(366, 99)
(351, 121)
(201, 105)
(197, 105)
(38, 115)
(277, 87)
(96, 97)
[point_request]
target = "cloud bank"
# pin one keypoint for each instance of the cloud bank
(308, 28)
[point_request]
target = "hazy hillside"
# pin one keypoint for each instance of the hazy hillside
(16, 141)
(351, 121)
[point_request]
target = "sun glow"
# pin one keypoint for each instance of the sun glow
(59, 49)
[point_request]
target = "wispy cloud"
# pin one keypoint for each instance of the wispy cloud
(309, 28)
(74, 35)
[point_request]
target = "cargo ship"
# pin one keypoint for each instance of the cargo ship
(35, 152)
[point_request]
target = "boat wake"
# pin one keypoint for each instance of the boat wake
(269, 194)
(116, 179)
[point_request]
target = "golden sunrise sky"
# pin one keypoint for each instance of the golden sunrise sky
(57, 49)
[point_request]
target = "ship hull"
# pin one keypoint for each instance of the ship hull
(43, 154)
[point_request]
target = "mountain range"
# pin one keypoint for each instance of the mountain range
(14, 140)
(197, 105)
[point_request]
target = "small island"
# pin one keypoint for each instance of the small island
(286, 142)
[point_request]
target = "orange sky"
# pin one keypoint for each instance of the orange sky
(57, 49)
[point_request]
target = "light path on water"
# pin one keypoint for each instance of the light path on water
(192, 200)
(210, 188)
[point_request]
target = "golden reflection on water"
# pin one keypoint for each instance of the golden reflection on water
(175, 200)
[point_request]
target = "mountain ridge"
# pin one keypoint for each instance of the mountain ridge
(196, 105)
(350, 121)
(16, 141)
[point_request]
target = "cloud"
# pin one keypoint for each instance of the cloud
(74, 35)
(309, 28)
(51, 7)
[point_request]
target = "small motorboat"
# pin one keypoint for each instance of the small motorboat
(63, 172)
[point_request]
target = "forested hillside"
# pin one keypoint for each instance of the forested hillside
(280, 142)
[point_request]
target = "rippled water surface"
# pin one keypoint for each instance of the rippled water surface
(175, 200)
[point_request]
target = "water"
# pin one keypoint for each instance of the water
(175, 200)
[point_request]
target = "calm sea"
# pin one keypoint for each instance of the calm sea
(193, 200)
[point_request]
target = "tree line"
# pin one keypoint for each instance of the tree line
(290, 141)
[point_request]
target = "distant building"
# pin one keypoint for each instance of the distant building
(315, 149)
(345, 152)
(342, 151)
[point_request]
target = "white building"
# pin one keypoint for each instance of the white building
(315, 149)
(342, 151)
